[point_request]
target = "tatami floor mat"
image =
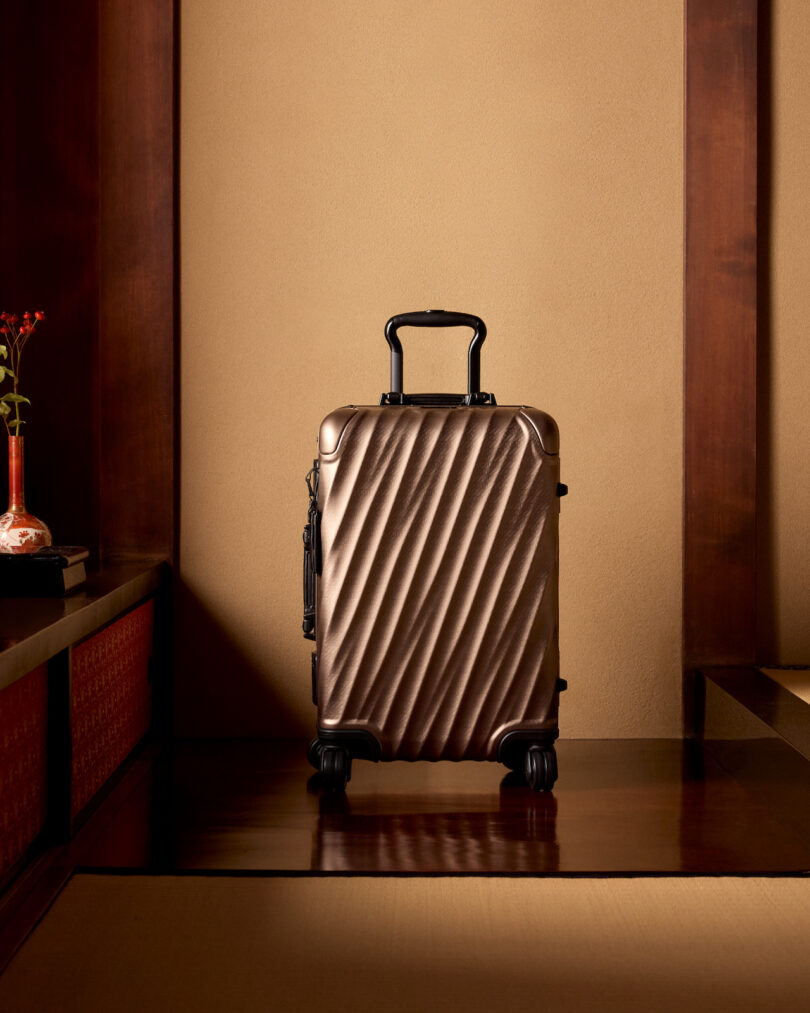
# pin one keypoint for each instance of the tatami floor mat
(119, 943)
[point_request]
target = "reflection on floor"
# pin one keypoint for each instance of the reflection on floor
(620, 806)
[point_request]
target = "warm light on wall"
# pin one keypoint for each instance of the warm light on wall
(344, 163)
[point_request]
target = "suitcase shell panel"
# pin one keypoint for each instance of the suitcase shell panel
(437, 601)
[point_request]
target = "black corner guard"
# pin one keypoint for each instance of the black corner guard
(513, 745)
(360, 744)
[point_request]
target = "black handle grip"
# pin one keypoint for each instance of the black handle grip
(437, 318)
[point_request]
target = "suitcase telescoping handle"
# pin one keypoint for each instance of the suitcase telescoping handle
(437, 318)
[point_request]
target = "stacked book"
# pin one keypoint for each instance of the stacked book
(50, 572)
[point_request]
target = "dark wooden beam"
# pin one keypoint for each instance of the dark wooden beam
(135, 360)
(720, 334)
(87, 211)
(49, 252)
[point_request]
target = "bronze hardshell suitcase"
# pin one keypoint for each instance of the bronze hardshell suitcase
(430, 577)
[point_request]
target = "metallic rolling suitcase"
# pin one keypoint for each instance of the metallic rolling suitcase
(430, 577)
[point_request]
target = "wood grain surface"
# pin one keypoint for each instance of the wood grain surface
(136, 356)
(87, 210)
(772, 699)
(720, 333)
(620, 806)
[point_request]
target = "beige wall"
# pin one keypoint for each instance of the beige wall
(789, 452)
(341, 162)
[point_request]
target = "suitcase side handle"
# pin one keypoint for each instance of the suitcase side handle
(437, 318)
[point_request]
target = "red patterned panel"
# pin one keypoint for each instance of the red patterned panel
(23, 766)
(111, 700)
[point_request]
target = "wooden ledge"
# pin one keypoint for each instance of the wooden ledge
(773, 698)
(33, 630)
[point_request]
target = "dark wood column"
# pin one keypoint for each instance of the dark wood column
(136, 353)
(720, 334)
(49, 252)
(87, 213)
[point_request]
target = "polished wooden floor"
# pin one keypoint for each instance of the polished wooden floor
(620, 806)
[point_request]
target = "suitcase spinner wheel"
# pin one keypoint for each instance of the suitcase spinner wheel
(541, 768)
(336, 767)
(334, 763)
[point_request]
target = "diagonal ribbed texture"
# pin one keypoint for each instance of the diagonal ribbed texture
(437, 602)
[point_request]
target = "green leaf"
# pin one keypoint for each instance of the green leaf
(14, 398)
(4, 409)
(17, 423)
(3, 351)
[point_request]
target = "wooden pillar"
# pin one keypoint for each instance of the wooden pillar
(720, 334)
(87, 216)
(135, 362)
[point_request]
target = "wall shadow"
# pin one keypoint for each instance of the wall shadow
(217, 690)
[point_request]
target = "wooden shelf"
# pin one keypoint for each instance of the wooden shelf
(83, 680)
(769, 698)
(91, 201)
(34, 630)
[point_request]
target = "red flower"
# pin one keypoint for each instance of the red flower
(3, 316)
(39, 315)
(26, 316)
(12, 320)
(3, 330)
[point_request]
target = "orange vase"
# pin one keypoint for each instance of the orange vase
(19, 530)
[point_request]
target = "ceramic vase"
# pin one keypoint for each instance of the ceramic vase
(19, 530)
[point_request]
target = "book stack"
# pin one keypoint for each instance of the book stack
(50, 572)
